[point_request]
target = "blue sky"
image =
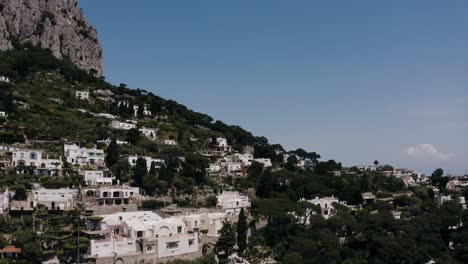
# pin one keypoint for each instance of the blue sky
(353, 80)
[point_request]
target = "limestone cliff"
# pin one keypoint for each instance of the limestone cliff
(58, 25)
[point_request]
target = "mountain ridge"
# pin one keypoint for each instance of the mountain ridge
(57, 25)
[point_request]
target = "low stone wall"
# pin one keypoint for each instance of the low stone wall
(189, 256)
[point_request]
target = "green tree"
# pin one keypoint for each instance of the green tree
(112, 154)
(226, 241)
(114, 108)
(150, 183)
(180, 136)
(291, 163)
(140, 111)
(133, 136)
(121, 170)
(20, 192)
(139, 171)
(242, 231)
(265, 185)
(438, 178)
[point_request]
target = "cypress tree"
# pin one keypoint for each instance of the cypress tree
(112, 154)
(139, 171)
(242, 231)
(226, 241)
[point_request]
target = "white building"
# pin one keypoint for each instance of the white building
(245, 159)
(146, 111)
(97, 177)
(441, 199)
(144, 234)
(149, 132)
(221, 142)
(209, 223)
(54, 199)
(456, 184)
(83, 156)
(4, 79)
(231, 169)
(214, 168)
(3, 114)
(326, 207)
(232, 202)
(108, 141)
(149, 160)
(112, 194)
(122, 125)
(305, 163)
(34, 158)
(5, 201)
(266, 162)
(82, 95)
(169, 142)
(367, 167)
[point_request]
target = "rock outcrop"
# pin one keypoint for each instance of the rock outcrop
(58, 25)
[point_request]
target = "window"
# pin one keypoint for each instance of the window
(179, 229)
(172, 245)
(196, 223)
(149, 248)
(191, 242)
(140, 234)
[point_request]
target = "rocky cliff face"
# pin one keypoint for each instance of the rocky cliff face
(58, 25)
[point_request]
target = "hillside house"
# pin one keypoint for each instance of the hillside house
(245, 159)
(97, 177)
(368, 197)
(232, 202)
(169, 142)
(4, 79)
(214, 168)
(139, 237)
(146, 110)
(54, 199)
(305, 163)
(122, 125)
(149, 160)
(82, 95)
(456, 184)
(367, 167)
(107, 141)
(112, 195)
(209, 152)
(3, 114)
(222, 144)
(149, 132)
(83, 156)
(211, 223)
(231, 169)
(102, 92)
(326, 207)
(265, 162)
(34, 160)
